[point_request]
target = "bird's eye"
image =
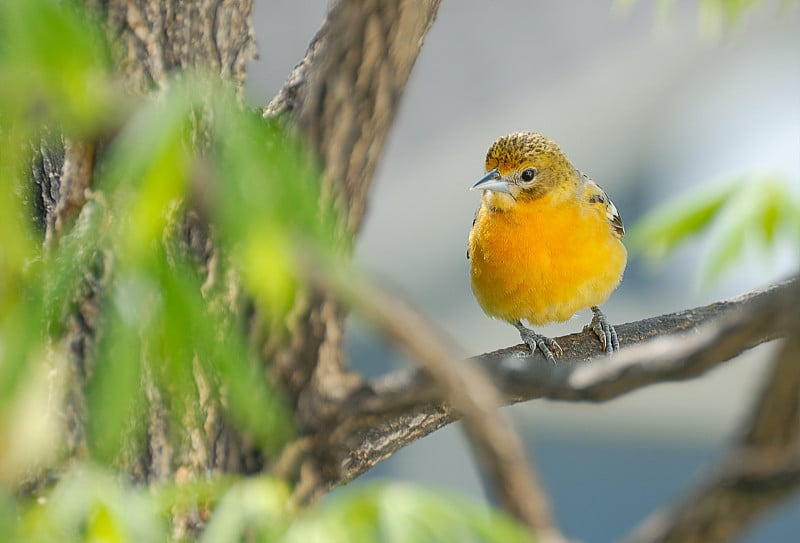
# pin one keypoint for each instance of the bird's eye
(528, 174)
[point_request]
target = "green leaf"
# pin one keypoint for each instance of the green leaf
(189, 330)
(760, 209)
(9, 513)
(78, 254)
(54, 63)
(147, 173)
(662, 230)
(267, 204)
(398, 513)
(91, 505)
(744, 211)
(252, 510)
(174, 498)
(115, 393)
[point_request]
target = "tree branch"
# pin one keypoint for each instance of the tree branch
(346, 91)
(402, 407)
(719, 332)
(342, 98)
(76, 176)
(465, 386)
(761, 469)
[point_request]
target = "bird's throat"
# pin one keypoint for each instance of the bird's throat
(498, 202)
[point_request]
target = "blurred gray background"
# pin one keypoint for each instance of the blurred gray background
(649, 104)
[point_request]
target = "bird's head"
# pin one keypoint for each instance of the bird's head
(525, 166)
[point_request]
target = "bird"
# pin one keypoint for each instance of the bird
(546, 242)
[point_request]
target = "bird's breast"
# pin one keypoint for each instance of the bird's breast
(542, 260)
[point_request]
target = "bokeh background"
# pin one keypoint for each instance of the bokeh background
(650, 102)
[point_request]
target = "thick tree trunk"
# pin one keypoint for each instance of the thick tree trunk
(152, 40)
(156, 38)
(342, 98)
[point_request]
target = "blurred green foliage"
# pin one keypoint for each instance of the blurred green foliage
(160, 322)
(399, 513)
(713, 15)
(743, 212)
(91, 505)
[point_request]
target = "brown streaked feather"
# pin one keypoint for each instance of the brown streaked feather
(597, 196)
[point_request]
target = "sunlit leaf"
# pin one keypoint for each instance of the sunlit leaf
(78, 255)
(760, 209)
(54, 62)
(397, 513)
(103, 526)
(147, 172)
(252, 510)
(91, 505)
(266, 200)
(115, 396)
(670, 225)
(192, 495)
(191, 329)
(29, 423)
(742, 213)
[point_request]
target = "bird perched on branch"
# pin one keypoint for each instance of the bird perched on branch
(546, 241)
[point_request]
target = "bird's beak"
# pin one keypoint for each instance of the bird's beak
(491, 181)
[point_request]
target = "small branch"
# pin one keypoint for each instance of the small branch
(761, 469)
(345, 93)
(76, 175)
(719, 332)
(404, 406)
(467, 388)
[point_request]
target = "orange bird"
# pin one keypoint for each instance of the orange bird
(546, 241)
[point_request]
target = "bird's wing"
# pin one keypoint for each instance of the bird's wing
(597, 196)
(474, 220)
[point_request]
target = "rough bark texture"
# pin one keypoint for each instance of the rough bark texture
(343, 97)
(348, 91)
(156, 38)
(46, 164)
(345, 93)
(151, 41)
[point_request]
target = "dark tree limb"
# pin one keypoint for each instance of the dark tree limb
(46, 167)
(405, 406)
(684, 345)
(760, 470)
(76, 175)
(345, 93)
(466, 387)
(341, 98)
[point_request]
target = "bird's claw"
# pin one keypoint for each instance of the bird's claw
(547, 346)
(604, 331)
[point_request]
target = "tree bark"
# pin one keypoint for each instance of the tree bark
(152, 40)
(342, 98)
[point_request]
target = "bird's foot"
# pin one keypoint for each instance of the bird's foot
(548, 346)
(604, 331)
